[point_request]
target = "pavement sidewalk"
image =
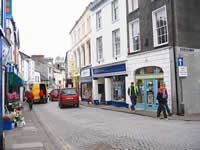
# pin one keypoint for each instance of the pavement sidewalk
(33, 136)
(192, 117)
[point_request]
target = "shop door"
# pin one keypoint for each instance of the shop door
(150, 94)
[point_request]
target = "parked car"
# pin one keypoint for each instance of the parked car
(54, 94)
(68, 96)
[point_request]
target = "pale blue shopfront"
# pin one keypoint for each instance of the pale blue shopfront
(147, 82)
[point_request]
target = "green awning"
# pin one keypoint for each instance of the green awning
(14, 80)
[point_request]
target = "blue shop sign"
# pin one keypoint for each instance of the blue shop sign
(110, 69)
(9, 9)
(86, 75)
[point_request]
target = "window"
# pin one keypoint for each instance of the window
(69, 92)
(99, 49)
(134, 36)
(115, 10)
(83, 29)
(50, 70)
(116, 43)
(79, 33)
(160, 28)
(133, 5)
(88, 24)
(98, 20)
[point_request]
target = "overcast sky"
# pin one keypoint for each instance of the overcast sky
(44, 25)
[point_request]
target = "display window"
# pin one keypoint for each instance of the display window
(87, 90)
(140, 90)
(118, 89)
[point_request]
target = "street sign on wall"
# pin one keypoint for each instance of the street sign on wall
(180, 61)
(183, 71)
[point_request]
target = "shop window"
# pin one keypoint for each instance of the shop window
(140, 91)
(87, 90)
(149, 70)
(140, 71)
(118, 88)
(150, 92)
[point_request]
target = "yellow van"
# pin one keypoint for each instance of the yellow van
(36, 92)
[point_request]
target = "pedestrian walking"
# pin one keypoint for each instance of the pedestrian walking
(89, 95)
(162, 100)
(132, 92)
(166, 104)
(30, 98)
(41, 95)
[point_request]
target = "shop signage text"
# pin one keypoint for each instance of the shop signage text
(183, 71)
(85, 73)
(110, 69)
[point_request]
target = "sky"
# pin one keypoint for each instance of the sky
(44, 25)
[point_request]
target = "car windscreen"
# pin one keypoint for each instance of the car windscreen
(69, 92)
(56, 91)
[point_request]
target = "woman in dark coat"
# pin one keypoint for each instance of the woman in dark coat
(162, 99)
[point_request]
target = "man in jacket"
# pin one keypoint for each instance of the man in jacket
(132, 92)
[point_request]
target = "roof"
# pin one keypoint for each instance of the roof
(24, 54)
(86, 9)
(97, 3)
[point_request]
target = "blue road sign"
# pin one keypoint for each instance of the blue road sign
(180, 61)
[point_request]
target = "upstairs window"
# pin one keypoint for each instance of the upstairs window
(116, 43)
(98, 20)
(115, 11)
(99, 49)
(134, 29)
(160, 27)
(133, 5)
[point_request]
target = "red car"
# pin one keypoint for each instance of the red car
(68, 96)
(55, 94)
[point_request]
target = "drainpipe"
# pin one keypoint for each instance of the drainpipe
(174, 53)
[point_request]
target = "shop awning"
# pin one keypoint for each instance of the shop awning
(14, 80)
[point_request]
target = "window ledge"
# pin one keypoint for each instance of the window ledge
(135, 52)
(98, 29)
(161, 45)
(114, 21)
(133, 10)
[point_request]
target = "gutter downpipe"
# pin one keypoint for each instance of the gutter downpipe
(174, 53)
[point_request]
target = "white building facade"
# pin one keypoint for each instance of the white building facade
(31, 71)
(81, 53)
(109, 44)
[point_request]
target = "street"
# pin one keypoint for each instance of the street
(87, 128)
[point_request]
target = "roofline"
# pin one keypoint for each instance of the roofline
(24, 54)
(86, 9)
(97, 3)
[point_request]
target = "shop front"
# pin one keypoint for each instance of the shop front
(12, 87)
(112, 78)
(86, 84)
(148, 80)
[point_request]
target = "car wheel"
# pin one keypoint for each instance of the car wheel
(77, 105)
